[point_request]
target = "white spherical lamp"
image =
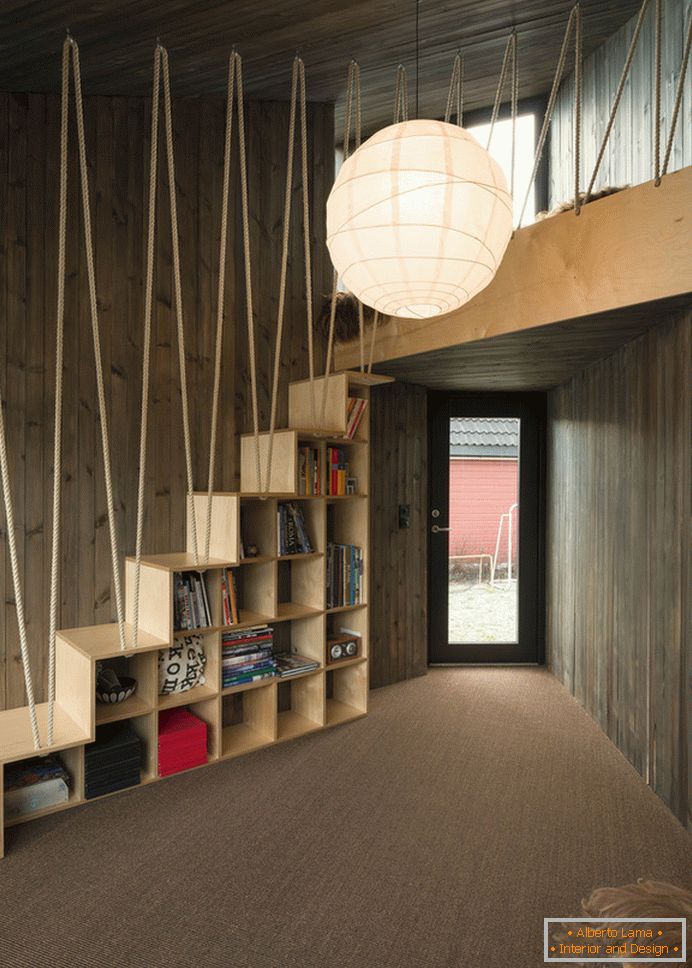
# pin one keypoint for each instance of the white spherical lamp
(418, 219)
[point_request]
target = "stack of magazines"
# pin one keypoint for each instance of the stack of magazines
(288, 664)
(246, 656)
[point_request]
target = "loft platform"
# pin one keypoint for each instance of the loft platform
(561, 277)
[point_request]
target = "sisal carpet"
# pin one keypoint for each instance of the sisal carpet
(437, 832)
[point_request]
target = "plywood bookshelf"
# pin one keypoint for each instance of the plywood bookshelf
(285, 591)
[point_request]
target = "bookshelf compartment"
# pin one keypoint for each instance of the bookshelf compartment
(300, 705)
(255, 593)
(181, 663)
(258, 527)
(303, 636)
(300, 583)
(141, 666)
(73, 762)
(352, 623)
(249, 720)
(180, 745)
(346, 692)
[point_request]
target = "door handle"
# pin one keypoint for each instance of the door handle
(436, 529)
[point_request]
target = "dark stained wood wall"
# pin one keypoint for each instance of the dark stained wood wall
(618, 549)
(398, 586)
(118, 146)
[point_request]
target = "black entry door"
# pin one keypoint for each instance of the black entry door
(486, 527)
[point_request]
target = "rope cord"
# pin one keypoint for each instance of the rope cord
(59, 353)
(284, 265)
(353, 106)
(678, 97)
(306, 235)
(455, 94)
(93, 305)
(618, 95)
(375, 320)
(220, 300)
(578, 64)
(510, 50)
(401, 95)
(17, 584)
(574, 16)
(515, 103)
(657, 96)
(148, 307)
(178, 292)
(247, 261)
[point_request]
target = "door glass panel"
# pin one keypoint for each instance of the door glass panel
(483, 529)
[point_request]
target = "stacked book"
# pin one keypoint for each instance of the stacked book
(190, 602)
(344, 575)
(182, 741)
(309, 471)
(354, 415)
(337, 471)
(229, 597)
(113, 761)
(292, 536)
(288, 665)
(34, 784)
(246, 656)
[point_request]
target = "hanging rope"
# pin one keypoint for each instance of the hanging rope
(353, 107)
(288, 192)
(618, 95)
(220, 299)
(657, 94)
(455, 95)
(93, 307)
(148, 309)
(510, 51)
(17, 583)
(57, 425)
(247, 261)
(578, 64)
(306, 235)
(574, 18)
(401, 95)
(678, 99)
(375, 320)
(178, 291)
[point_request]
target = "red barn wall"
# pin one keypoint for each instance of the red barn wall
(480, 491)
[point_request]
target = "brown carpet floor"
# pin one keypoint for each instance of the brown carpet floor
(437, 832)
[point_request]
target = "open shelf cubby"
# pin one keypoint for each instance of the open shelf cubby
(300, 705)
(249, 719)
(285, 591)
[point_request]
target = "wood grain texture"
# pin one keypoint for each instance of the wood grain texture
(629, 158)
(532, 359)
(618, 549)
(116, 46)
(398, 586)
(118, 146)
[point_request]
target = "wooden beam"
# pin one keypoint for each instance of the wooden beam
(629, 248)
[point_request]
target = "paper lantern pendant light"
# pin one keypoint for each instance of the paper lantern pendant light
(418, 219)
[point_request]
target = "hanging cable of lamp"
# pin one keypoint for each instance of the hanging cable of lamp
(419, 216)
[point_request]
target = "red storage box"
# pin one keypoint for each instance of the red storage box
(182, 741)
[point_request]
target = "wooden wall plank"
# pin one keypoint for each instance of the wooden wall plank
(118, 152)
(618, 549)
(398, 588)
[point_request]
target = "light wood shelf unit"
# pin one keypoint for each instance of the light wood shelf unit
(287, 592)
